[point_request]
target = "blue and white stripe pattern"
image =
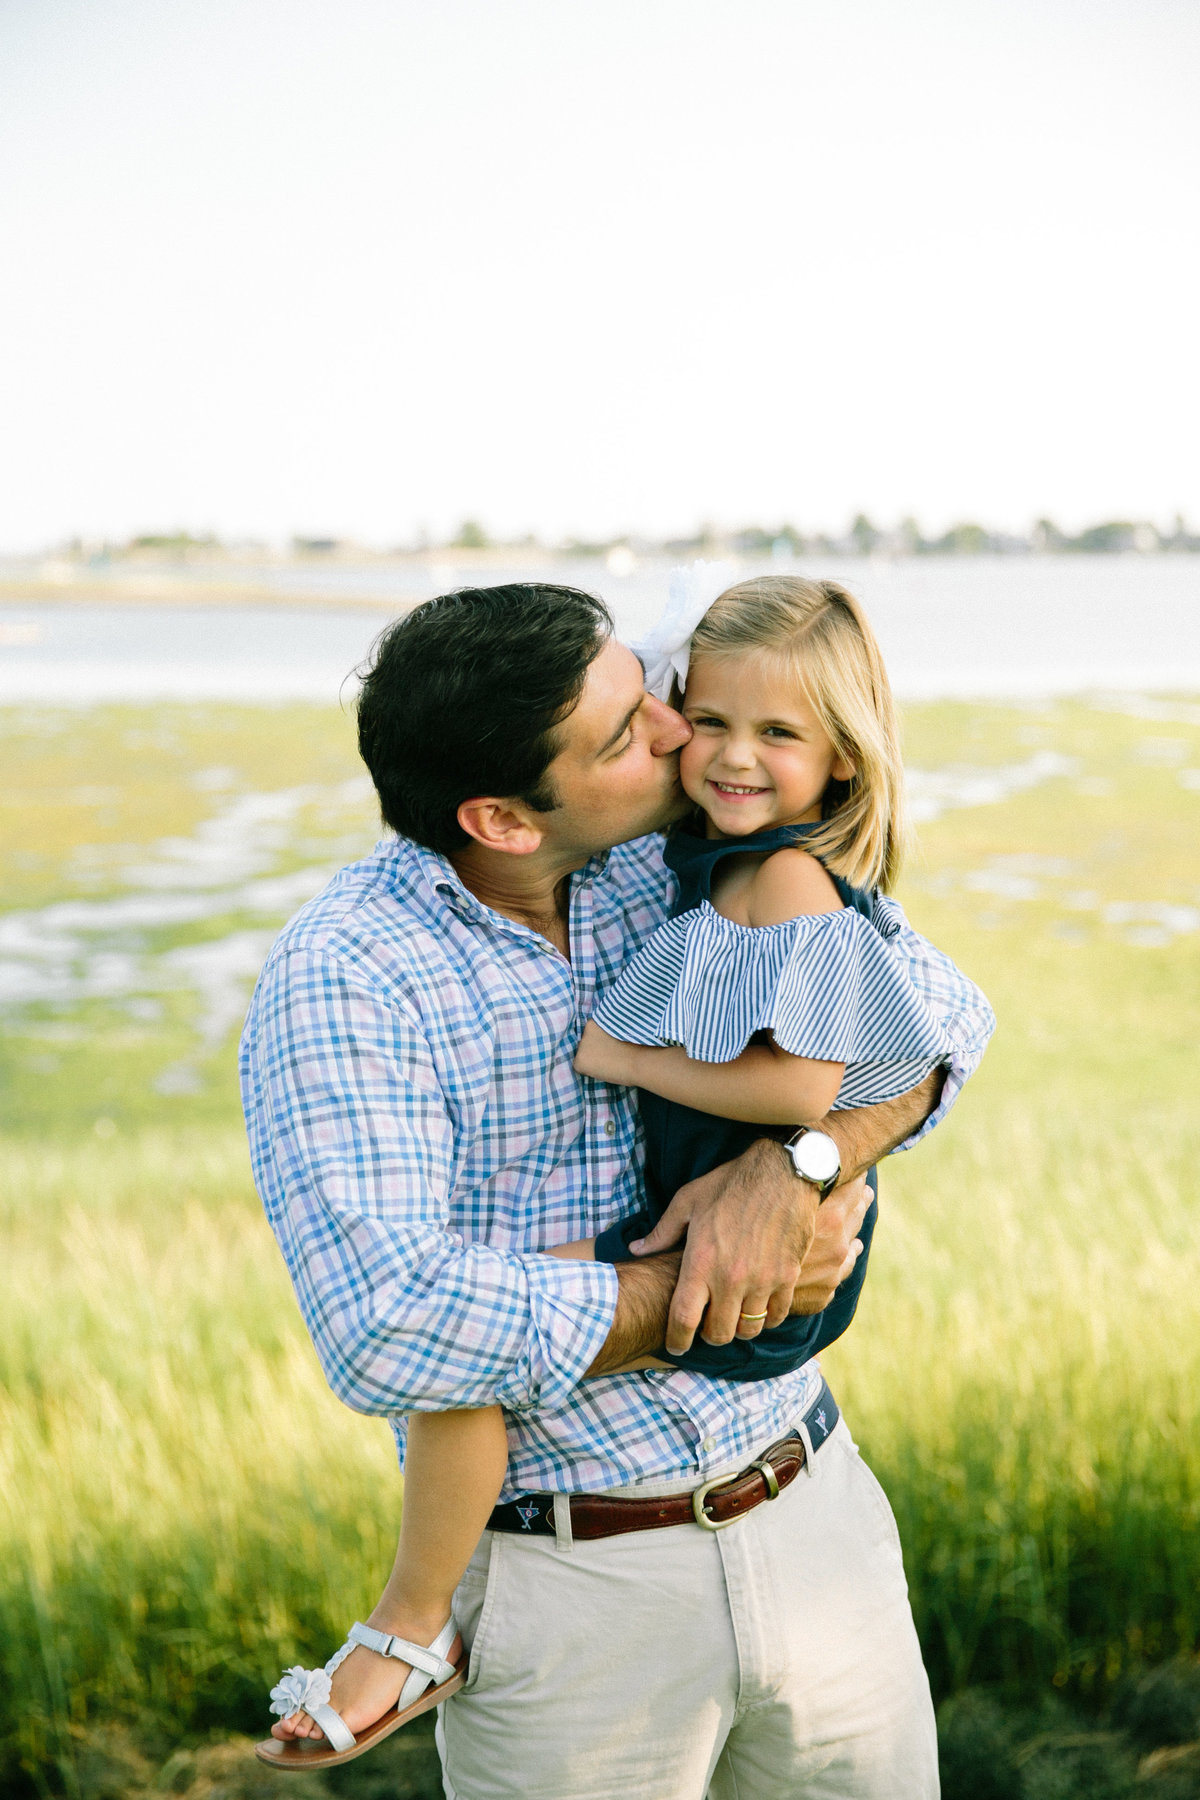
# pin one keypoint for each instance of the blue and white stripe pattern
(419, 1137)
(834, 986)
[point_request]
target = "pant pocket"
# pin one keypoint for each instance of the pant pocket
(475, 1603)
(879, 1503)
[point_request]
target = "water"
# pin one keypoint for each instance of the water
(950, 626)
(137, 925)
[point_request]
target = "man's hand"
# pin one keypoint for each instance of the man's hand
(757, 1241)
(649, 1286)
(835, 1247)
(748, 1224)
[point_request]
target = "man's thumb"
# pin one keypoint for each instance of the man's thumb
(669, 1230)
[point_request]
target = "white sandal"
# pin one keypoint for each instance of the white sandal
(438, 1670)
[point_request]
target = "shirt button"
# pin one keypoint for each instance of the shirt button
(709, 1444)
(610, 1128)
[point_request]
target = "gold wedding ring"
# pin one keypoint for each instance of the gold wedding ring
(745, 1315)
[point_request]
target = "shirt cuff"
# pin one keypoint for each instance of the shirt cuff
(961, 1066)
(572, 1305)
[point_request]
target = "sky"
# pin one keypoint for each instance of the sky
(363, 268)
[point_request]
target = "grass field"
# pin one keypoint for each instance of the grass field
(183, 1506)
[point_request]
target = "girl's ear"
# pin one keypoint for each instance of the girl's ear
(843, 770)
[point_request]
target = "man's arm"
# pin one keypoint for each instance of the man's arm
(751, 1222)
(864, 1135)
(636, 1335)
(951, 997)
(355, 1156)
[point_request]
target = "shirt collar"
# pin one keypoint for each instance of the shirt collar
(443, 882)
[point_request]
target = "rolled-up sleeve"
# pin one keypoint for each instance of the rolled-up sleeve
(355, 1146)
(951, 997)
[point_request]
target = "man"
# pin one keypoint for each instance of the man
(419, 1136)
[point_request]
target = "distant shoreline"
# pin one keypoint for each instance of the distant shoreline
(166, 593)
(404, 582)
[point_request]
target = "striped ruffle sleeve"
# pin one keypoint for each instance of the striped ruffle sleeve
(826, 985)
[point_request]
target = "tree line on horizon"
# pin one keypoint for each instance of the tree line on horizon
(862, 537)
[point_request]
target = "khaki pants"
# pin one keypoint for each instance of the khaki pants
(774, 1660)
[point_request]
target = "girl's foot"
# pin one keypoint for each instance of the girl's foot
(365, 1685)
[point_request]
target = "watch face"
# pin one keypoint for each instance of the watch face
(816, 1156)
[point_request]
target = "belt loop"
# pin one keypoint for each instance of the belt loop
(564, 1537)
(802, 1431)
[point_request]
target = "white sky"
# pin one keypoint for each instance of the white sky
(363, 266)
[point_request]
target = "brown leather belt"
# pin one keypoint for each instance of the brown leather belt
(713, 1505)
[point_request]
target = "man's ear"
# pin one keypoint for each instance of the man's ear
(503, 825)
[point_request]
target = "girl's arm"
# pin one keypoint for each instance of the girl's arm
(764, 1085)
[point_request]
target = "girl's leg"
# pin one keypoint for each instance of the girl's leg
(453, 1473)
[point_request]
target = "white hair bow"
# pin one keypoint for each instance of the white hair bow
(665, 650)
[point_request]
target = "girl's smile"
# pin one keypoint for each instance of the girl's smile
(758, 757)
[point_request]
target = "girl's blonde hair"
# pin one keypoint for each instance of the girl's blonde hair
(821, 632)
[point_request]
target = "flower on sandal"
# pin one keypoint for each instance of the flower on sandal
(299, 1691)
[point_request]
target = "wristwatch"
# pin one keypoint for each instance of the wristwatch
(815, 1157)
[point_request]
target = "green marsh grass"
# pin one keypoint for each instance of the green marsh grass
(184, 1508)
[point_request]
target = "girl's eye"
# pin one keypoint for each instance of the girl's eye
(779, 731)
(703, 720)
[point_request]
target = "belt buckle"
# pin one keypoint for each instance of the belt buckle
(700, 1495)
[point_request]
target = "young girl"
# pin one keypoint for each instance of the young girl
(780, 988)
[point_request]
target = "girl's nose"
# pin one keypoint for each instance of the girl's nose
(739, 753)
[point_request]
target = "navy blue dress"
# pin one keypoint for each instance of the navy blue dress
(710, 984)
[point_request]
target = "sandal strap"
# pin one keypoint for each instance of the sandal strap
(430, 1659)
(333, 1725)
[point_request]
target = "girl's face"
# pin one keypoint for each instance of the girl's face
(758, 757)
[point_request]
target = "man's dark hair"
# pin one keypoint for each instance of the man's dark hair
(463, 696)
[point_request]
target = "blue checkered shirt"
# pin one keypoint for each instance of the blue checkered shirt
(419, 1137)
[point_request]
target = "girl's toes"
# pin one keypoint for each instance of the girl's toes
(296, 1725)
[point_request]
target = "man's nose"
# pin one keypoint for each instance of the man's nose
(669, 730)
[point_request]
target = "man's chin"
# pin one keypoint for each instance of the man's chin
(674, 806)
(679, 807)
